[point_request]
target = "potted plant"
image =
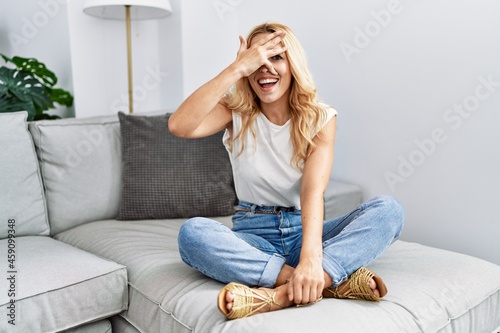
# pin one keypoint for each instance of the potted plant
(29, 86)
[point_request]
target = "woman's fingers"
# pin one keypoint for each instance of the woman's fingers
(273, 39)
(291, 295)
(301, 292)
(304, 286)
(270, 67)
(254, 57)
(243, 44)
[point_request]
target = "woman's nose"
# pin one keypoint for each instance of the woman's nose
(263, 69)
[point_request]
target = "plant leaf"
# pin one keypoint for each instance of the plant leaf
(25, 87)
(29, 86)
(12, 104)
(33, 66)
(44, 116)
(5, 58)
(61, 96)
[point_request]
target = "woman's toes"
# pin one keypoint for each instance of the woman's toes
(373, 286)
(229, 300)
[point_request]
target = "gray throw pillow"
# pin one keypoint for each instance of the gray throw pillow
(169, 177)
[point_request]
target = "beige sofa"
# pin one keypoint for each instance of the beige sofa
(78, 268)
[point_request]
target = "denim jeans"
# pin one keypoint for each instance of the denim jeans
(264, 238)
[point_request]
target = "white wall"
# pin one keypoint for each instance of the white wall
(174, 48)
(38, 29)
(209, 40)
(99, 59)
(399, 86)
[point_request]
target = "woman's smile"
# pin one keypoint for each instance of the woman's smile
(267, 84)
(271, 88)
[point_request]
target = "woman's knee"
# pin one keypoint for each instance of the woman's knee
(393, 213)
(191, 233)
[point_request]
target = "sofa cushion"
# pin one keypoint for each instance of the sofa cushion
(166, 177)
(56, 286)
(80, 161)
(341, 198)
(430, 290)
(121, 325)
(22, 198)
(101, 326)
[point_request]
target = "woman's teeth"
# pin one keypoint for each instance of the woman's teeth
(267, 82)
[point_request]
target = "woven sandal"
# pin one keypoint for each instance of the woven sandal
(358, 287)
(245, 299)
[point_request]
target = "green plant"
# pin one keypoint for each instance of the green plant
(30, 86)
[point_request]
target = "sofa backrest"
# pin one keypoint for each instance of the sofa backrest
(80, 163)
(22, 201)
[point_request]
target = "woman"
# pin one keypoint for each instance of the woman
(280, 139)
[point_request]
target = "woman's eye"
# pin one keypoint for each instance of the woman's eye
(277, 57)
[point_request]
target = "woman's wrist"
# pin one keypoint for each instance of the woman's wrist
(313, 253)
(234, 72)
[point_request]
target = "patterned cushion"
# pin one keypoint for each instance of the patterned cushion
(167, 177)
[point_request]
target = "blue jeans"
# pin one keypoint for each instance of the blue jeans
(263, 239)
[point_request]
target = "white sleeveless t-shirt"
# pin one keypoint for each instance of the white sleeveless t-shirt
(263, 173)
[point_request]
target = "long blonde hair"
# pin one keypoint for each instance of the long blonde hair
(307, 113)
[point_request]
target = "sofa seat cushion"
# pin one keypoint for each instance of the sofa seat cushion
(430, 290)
(101, 326)
(56, 286)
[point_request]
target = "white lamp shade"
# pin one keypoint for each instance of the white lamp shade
(139, 9)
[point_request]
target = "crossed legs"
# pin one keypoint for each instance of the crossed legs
(280, 292)
(349, 242)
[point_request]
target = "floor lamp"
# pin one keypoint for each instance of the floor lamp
(128, 10)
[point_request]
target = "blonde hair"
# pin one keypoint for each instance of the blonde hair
(307, 113)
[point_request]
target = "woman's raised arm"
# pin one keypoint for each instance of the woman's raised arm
(204, 112)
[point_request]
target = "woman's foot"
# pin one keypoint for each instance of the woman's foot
(362, 284)
(372, 284)
(272, 299)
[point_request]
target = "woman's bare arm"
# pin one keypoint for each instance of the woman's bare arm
(204, 112)
(307, 281)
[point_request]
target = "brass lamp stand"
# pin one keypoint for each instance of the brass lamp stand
(143, 9)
